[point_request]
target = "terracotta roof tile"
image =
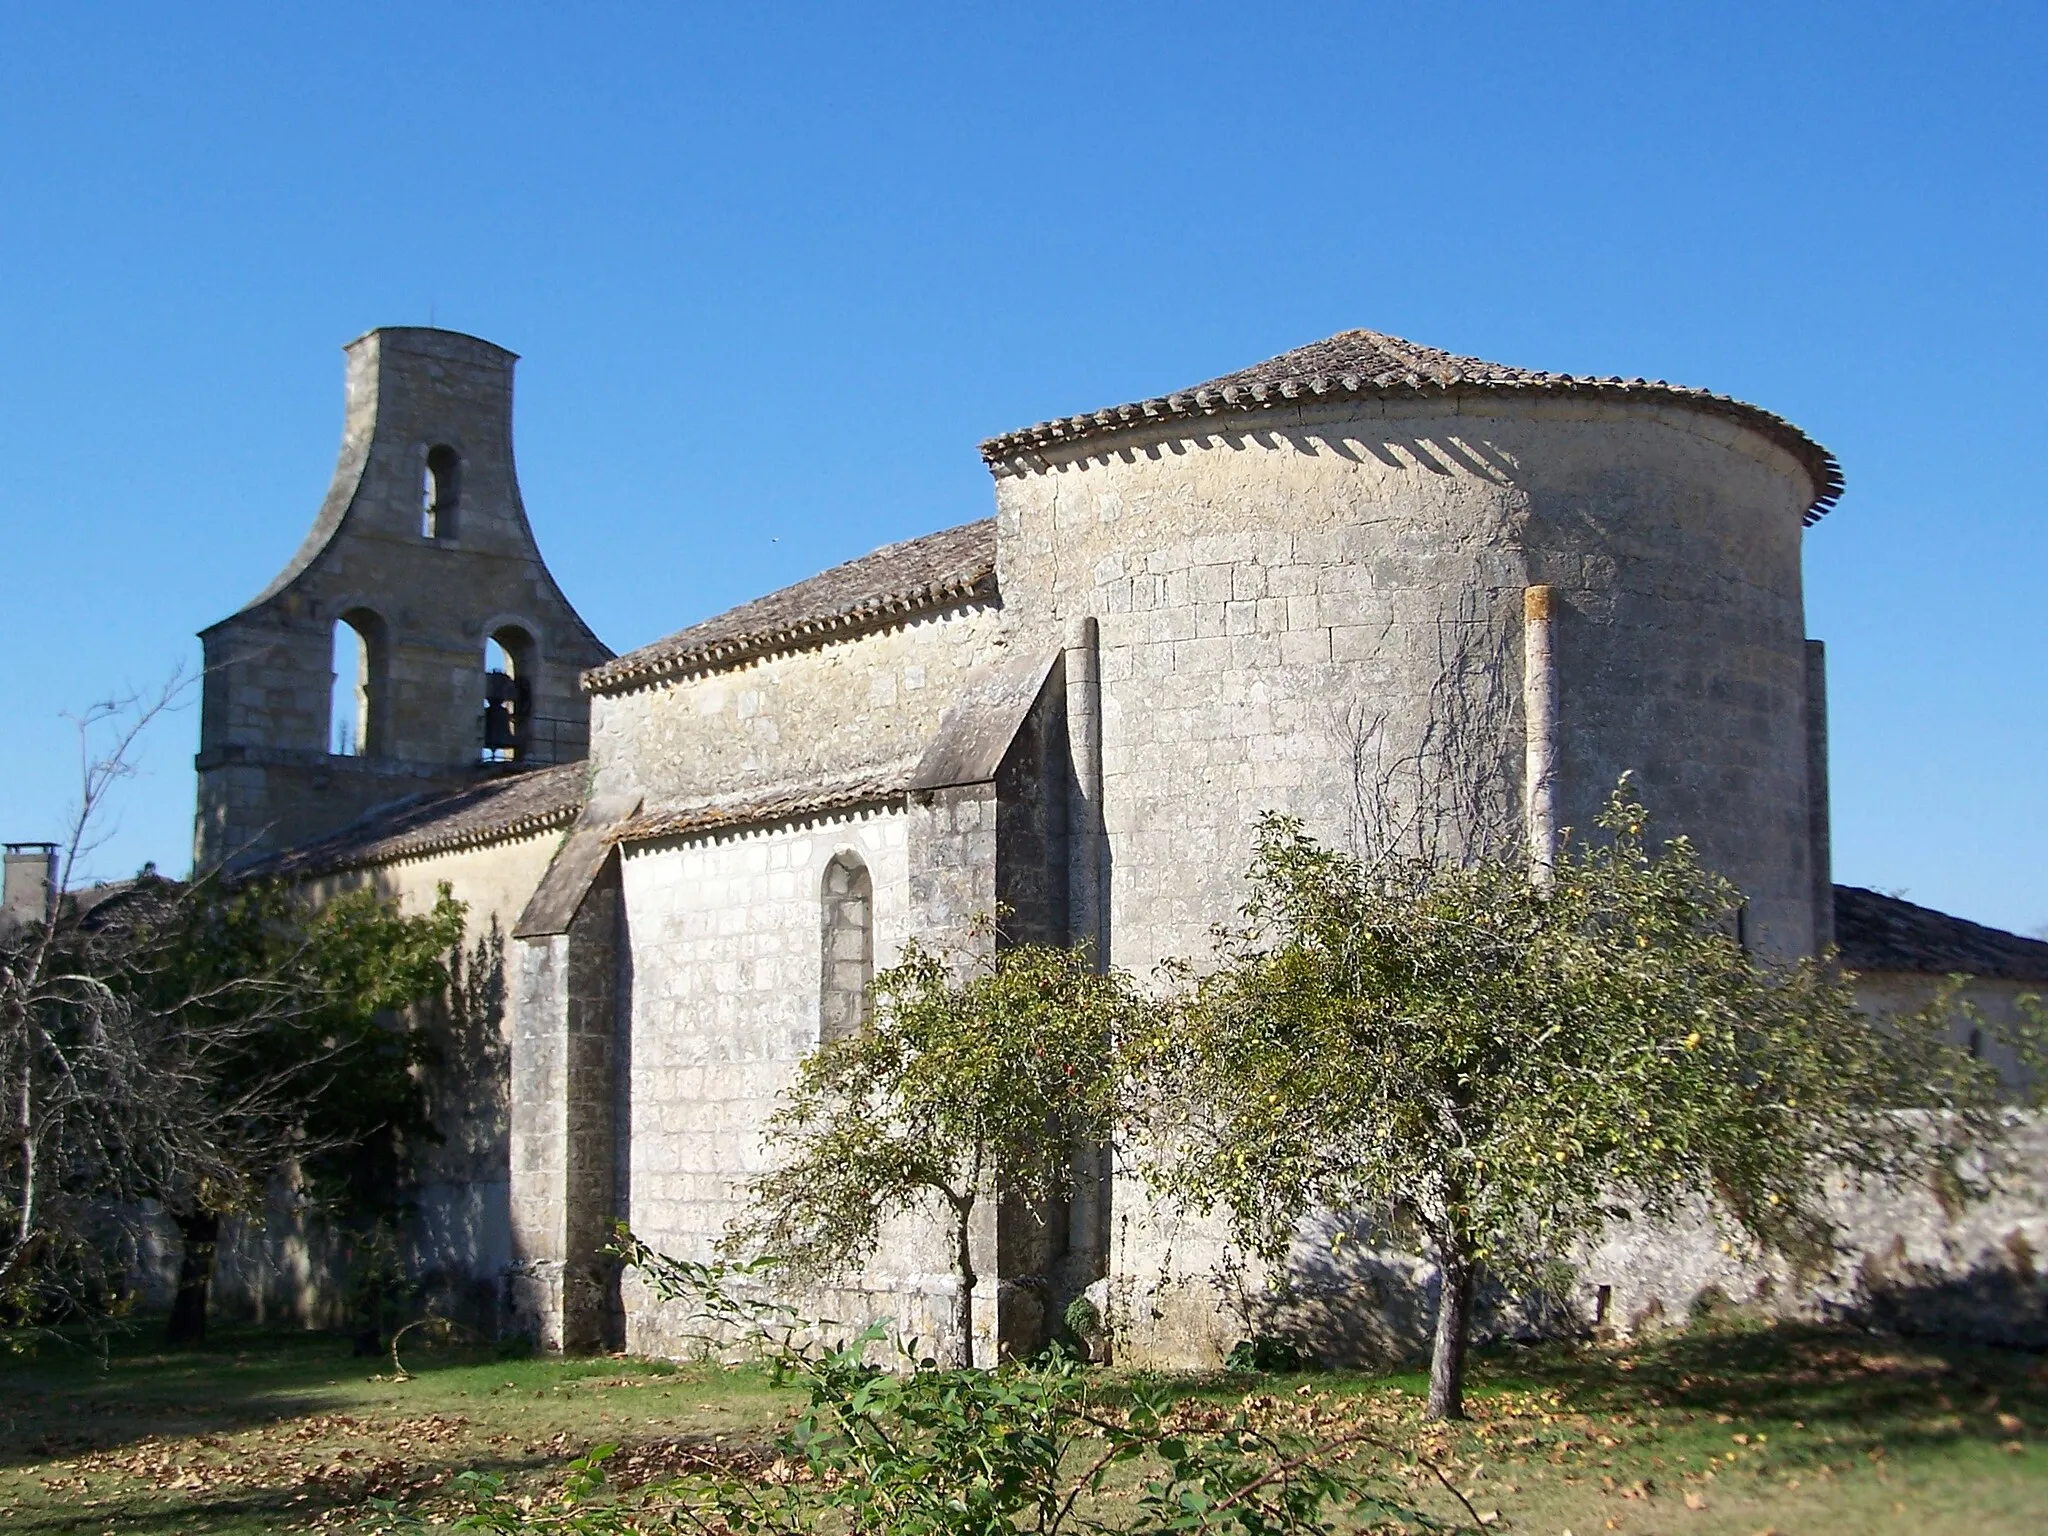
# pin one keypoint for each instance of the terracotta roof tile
(882, 588)
(1883, 933)
(765, 806)
(504, 806)
(1370, 365)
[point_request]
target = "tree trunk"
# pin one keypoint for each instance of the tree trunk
(201, 1234)
(961, 1347)
(25, 1223)
(1453, 1321)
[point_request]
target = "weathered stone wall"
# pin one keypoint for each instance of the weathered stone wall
(725, 931)
(726, 939)
(726, 957)
(266, 777)
(1885, 994)
(1320, 613)
(1180, 1295)
(1326, 604)
(569, 1090)
(1908, 1259)
(791, 717)
(460, 1235)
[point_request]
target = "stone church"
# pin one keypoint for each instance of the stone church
(1395, 592)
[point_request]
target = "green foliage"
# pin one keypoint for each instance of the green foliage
(921, 1451)
(182, 1043)
(333, 1073)
(1499, 1069)
(990, 1071)
(1265, 1352)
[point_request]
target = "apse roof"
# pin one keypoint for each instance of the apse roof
(1371, 365)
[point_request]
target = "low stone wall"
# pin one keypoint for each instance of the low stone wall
(287, 1266)
(1180, 1296)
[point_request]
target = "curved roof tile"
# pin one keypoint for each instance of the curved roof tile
(1884, 933)
(881, 588)
(1372, 365)
(520, 803)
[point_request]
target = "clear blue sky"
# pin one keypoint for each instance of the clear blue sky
(774, 271)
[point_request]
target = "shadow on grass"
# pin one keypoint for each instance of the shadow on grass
(251, 1509)
(1870, 1392)
(1863, 1391)
(74, 1396)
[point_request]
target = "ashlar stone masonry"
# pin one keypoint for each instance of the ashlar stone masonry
(1389, 590)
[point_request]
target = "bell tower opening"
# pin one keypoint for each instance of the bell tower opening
(508, 694)
(356, 696)
(440, 492)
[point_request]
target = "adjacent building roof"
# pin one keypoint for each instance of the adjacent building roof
(115, 905)
(1883, 933)
(507, 805)
(885, 587)
(1371, 365)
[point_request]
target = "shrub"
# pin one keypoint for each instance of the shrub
(1041, 1447)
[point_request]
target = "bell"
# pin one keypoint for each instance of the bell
(505, 704)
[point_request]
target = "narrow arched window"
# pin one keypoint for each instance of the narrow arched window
(847, 974)
(356, 698)
(440, 492)
(508, 695)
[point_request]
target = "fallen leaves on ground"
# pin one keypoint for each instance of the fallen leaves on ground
(293, 1456)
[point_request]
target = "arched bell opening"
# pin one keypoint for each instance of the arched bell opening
(440, 492)
(509, 657)
(355, 712)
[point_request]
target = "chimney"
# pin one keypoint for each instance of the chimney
(31, 885)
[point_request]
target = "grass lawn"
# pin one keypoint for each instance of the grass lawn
(278, 1431)
(1709, 1432)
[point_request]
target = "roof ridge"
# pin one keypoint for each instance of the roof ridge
(1370, 364)
(876, 590)
(440, 822)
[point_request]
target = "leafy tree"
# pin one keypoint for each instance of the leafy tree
(103, 1102)
(1497, 1069)
(180, 1042)
(964, 1085)
(325, 1056)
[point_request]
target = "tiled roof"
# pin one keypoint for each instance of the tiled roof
(1883, 933)
(115, 905)
(1369, 365)
(885, 587)
(573, 871)
(505, 806)
(765, 806)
